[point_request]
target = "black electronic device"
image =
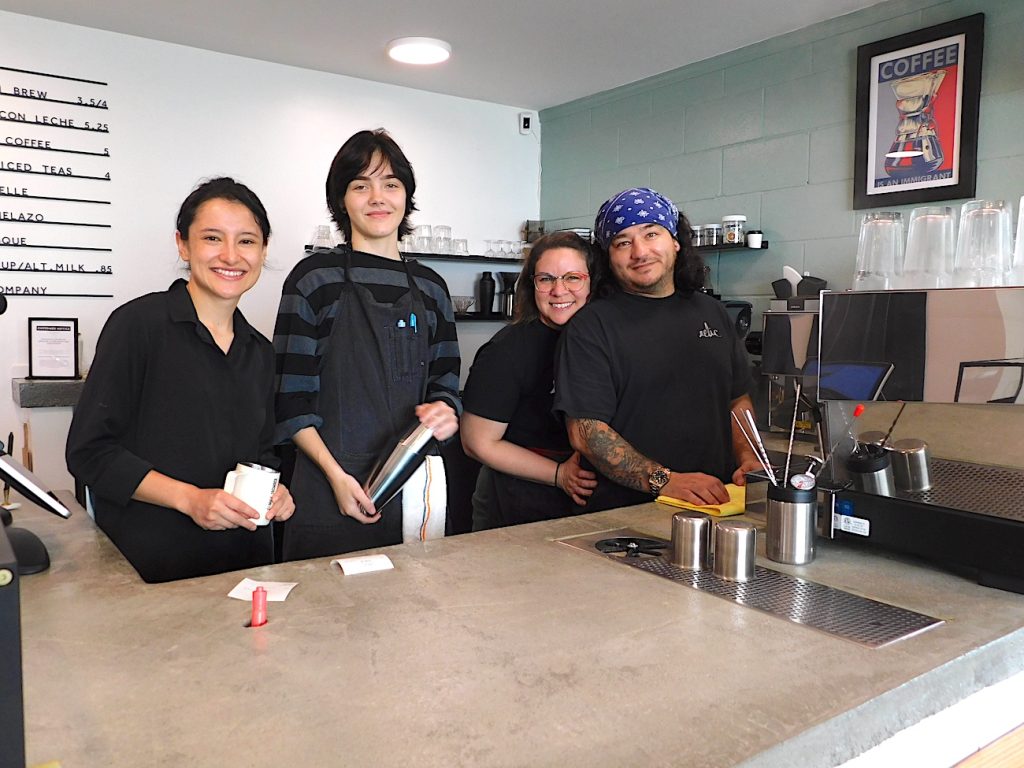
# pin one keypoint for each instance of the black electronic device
(29, 551)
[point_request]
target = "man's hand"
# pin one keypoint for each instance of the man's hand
(696, 488)
(748, 464)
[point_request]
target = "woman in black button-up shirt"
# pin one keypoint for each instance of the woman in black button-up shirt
(180, 390)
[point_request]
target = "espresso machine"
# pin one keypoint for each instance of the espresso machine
(936, 378)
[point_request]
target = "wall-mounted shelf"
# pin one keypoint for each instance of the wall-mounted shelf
(730, 247)
(469, 258)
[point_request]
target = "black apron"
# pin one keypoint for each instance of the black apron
(373, 373)
(500, 499)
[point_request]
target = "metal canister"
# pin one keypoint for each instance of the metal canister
(735, 550)
(792, 519)
(691, 540)
(871, 437)
(910, 465)
(870, 469)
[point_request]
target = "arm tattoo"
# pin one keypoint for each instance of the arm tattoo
(612, 455)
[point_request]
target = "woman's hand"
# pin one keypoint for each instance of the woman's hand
(577, 482)
(217, 510)
(439, 417)
(352, 499)
(282, 506)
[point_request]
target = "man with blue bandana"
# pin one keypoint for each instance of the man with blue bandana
(648, 373)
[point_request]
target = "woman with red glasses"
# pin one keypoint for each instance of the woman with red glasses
(530, 471)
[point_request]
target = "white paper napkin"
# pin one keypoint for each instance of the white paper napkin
(277, 591)
(363, 564)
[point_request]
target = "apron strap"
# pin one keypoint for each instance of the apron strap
(418, 306)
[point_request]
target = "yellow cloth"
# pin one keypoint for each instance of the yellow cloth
(736, 505)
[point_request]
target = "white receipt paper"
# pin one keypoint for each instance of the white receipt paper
(277, 591)
(363, 564)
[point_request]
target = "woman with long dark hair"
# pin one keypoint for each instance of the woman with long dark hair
(530, 471)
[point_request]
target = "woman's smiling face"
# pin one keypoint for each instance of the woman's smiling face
(225, 249)
(557, 302)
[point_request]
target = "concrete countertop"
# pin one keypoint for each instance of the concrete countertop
(499, 648)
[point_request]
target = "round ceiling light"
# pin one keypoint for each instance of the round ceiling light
(419, 50)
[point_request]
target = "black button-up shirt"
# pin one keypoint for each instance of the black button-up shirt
(162, 395)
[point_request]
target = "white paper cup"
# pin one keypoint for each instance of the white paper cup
(255, 485)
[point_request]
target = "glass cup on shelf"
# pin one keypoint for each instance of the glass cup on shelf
(442, 242)
(879, 251)
(460, 246)
(984, 245)
(407, 244)
(489, 252)
(928, 261)
(503, 249)
(322, 237)
(1016, 274)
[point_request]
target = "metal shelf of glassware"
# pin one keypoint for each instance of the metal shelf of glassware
(464, 257)
(730, 247)
(493, 317)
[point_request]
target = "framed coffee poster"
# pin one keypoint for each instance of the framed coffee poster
(916, 134)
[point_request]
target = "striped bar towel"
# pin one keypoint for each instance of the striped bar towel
(425, 502)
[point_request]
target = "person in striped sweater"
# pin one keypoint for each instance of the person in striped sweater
(366, 346)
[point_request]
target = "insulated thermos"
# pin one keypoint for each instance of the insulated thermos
(792, 521)
(394, 470)
(508, 293)
(485, 286)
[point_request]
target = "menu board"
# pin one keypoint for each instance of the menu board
(55, 185)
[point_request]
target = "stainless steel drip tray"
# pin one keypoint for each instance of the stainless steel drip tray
(850, 617)
(979, 488)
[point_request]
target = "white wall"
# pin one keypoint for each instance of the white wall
(180, 114)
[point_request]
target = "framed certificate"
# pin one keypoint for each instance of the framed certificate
(53, 348)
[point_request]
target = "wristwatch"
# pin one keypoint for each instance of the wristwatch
(657, 480)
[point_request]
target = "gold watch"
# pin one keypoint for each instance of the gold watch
(657, 480)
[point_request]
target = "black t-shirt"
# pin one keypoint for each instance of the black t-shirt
(662, 373)
(512, 381)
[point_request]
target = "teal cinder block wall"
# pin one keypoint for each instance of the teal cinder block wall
(768, 131)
